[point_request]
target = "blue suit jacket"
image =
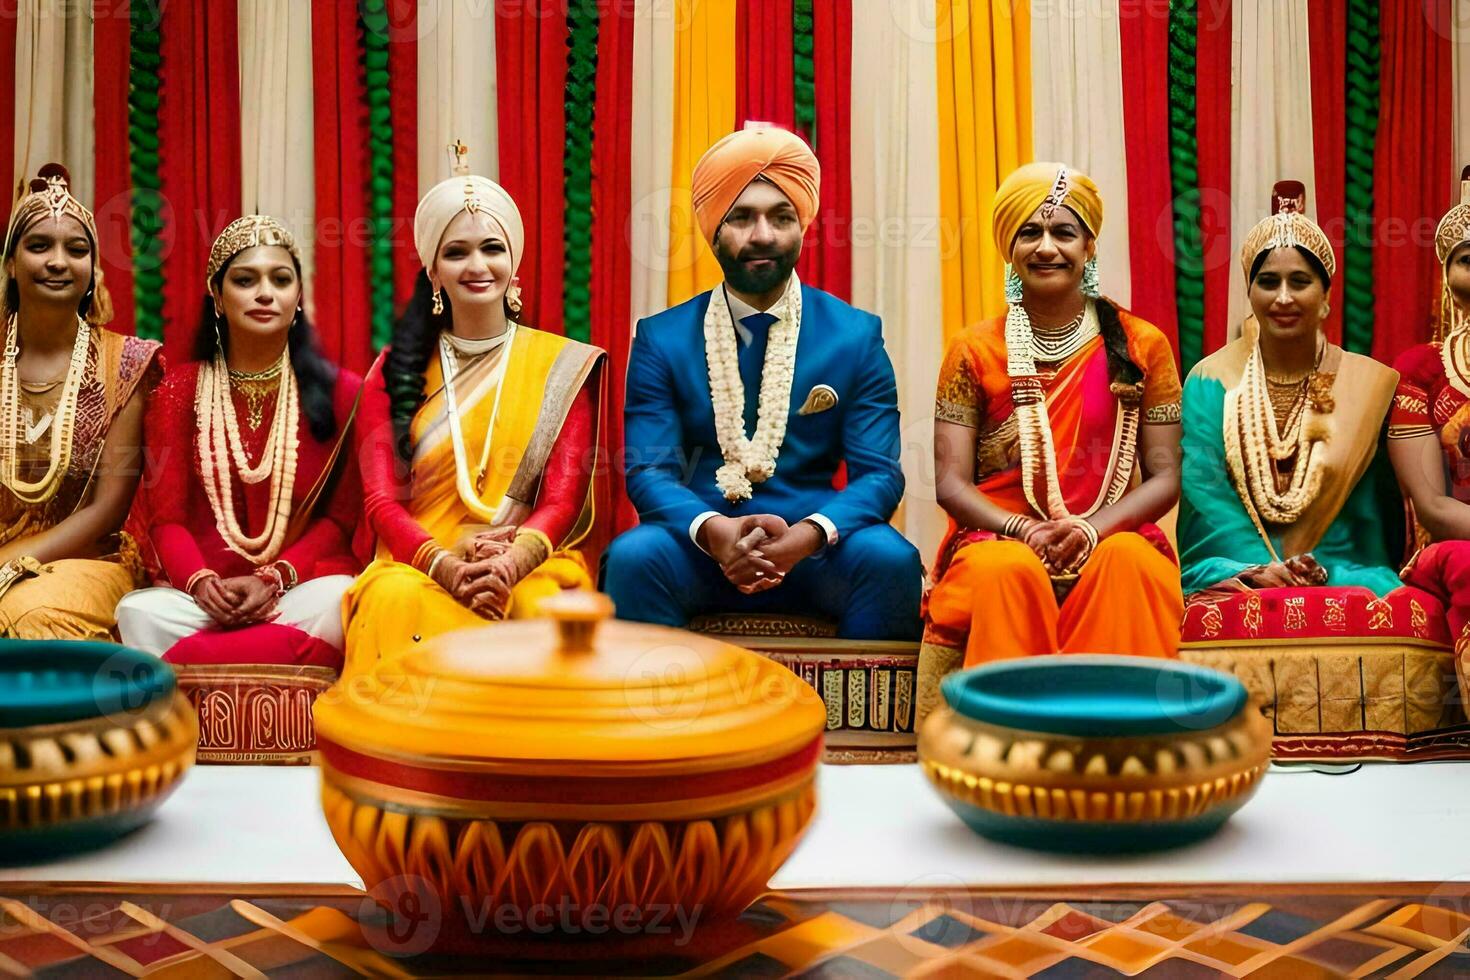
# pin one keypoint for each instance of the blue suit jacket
(673, 452)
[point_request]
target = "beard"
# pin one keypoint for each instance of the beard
(739, 276)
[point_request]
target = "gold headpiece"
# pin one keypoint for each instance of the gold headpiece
(247, 232)
(1454, 227)
(49, 194)
(1288, 226)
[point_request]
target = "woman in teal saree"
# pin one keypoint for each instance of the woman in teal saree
(1282, 474)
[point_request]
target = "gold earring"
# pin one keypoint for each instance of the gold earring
(438, 306)
(513, 295)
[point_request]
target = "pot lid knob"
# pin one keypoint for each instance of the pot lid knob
(576, 613)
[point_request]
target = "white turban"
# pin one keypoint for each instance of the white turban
(474, 194)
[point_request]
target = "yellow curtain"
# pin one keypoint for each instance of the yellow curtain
(984, 67)
(704, 111)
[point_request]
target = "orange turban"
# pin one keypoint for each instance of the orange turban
(728, 167)
(1031, 186)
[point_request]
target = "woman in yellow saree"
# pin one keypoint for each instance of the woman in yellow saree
(1056, 444)
(497, 426)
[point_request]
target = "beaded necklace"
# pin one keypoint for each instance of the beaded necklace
(218, 442)
(63, 420)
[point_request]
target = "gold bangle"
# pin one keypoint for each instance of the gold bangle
(198, 577)
(442, 554)
(534, 541)
(289, 577)
(425, 554)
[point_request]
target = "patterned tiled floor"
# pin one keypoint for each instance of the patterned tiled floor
(178, 933)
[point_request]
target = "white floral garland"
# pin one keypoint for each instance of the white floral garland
(750, 460)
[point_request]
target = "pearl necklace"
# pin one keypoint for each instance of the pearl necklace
(1254, 445)
(218, 442)
(63, 421)
(1454, 354)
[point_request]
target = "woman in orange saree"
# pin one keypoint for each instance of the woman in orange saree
(1056, 447)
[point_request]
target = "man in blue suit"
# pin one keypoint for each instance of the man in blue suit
(741, 405)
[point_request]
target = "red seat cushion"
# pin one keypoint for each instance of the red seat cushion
(1314, 614)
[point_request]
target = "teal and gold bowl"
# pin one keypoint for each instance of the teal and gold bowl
(93, 737)
(1094, 753)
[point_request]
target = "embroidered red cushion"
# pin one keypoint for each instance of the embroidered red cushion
(1312, 614)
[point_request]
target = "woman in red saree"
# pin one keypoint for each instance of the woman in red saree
(1429, 429)
(251, 497)
(1056, 446)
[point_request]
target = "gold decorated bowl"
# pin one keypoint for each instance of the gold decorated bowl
(93, 737)
(592, 767)
(1094, 753)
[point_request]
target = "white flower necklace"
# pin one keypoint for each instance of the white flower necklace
(750, 460)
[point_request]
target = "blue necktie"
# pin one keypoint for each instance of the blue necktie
(752, 359)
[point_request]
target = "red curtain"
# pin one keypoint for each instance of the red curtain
(199, 136)
(9, 13)
(531, 71)
(1145, 37)
(763, 64)
(826, 260)
(403, 69)
(111, 203)
(1327, 31)
(1413, 171)
(612, 192)
(342, 298)
(1212, 108)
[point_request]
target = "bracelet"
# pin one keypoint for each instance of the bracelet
(288, 573)
(1016, 526)
(534, 541)
(268, 572)
(425, 554)
(198, 577)
(1088, 530)
(442, 554)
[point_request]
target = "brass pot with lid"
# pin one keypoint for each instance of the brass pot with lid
(574, 761)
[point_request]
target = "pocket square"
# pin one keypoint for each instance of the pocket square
(819, 399)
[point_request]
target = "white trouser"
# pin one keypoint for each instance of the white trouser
(153, 620)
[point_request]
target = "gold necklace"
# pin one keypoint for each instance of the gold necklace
(1255, 444)
(218, 442)
(63, 422)
(256, 386)
(1454, 355)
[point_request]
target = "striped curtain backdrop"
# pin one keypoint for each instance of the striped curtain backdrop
(176, 117)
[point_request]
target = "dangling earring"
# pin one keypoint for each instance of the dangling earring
(438, 306)
(513, 295)
(219, 338)
(1014, 289)
(86, 305)
(1091, 288)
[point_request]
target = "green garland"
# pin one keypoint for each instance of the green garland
(1361, 133)
(373, 22)
(580, 107)
(804, 72)
(1189, 264)
(145, 41)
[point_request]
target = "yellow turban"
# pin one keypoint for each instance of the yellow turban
(1031, 186)
(728, 167)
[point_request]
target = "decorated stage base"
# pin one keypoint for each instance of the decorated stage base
(1341, 675)
(254, 714)
(868, 687)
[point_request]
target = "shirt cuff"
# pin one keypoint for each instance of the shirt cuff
(698, 523)
(828, 528)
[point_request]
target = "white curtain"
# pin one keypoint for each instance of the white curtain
(896, 268)
(1461, 46)
(457, 90)
(277, 152)
(1077, 115)
(53, 92)
(1271, 121)
(653, 154)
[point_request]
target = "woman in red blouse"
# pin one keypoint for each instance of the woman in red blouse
(251, 498)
